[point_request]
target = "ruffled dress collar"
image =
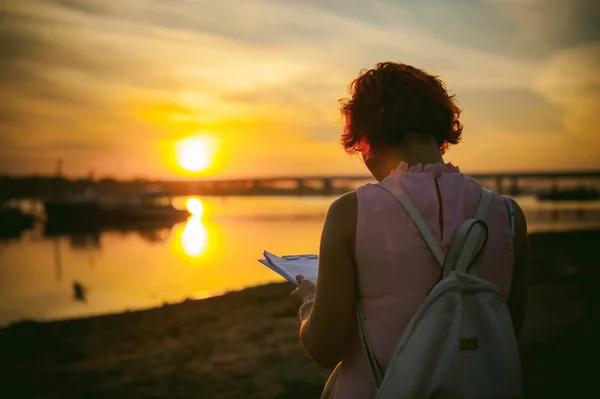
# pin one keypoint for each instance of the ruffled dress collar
(435, 168)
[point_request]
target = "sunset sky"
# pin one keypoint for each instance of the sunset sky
(111, 85)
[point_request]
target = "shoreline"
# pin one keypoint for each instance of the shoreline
(542, 264)
(244, 343)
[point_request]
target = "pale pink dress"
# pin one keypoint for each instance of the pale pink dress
(396, 268)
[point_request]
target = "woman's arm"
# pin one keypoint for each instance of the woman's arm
(517, 299)
(325, 333)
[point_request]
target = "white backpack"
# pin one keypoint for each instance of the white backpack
(461, 342)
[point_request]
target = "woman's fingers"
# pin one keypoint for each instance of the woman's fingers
(304, 291)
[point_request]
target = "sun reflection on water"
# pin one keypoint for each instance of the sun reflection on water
(195, 206)
(194, 237)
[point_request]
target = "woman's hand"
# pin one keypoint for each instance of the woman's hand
(304, 292)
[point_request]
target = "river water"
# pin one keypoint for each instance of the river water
(213, 252)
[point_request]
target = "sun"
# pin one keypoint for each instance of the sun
(194, 154)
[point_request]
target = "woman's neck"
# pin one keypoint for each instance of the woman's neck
(416, 151)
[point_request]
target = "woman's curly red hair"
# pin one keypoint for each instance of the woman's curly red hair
(392, 100)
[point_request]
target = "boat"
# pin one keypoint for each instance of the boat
(14, 221)
(151, 205)
(92, 212)
(74, 209)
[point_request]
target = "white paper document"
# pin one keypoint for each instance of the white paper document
(290, 266)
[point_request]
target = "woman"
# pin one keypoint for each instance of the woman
(402, 121)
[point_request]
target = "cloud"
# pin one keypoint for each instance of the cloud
(570, 79)
(540, 27)
(140, 73)
(518, 112)
(551, 125)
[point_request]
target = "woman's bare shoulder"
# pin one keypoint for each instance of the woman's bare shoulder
(342, 213)
(344, 203)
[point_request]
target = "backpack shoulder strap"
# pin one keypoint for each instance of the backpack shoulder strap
(511, 211)
(459, 254)
(374, 367)
(466, 237)
(461, 239)
(484, 204)
(417, 218)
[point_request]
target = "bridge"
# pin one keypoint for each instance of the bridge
(520, 183)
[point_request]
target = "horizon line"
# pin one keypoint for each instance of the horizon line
(592, 172)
